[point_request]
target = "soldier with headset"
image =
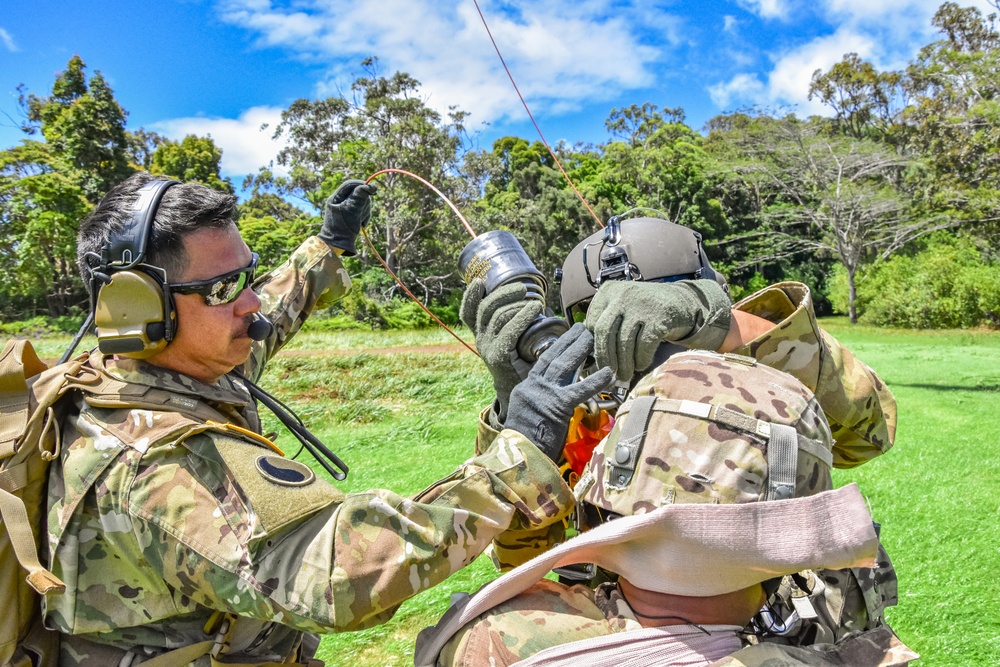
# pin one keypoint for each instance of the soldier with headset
(185, 536)
(646, 290)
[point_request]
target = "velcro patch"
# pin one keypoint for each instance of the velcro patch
(284, 472)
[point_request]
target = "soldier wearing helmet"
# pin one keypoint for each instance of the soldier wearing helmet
(645, 288)
(712, 489)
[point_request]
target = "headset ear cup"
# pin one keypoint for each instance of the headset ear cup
(170, 330)
(134, 315)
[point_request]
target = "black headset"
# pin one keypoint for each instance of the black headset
(131, 302)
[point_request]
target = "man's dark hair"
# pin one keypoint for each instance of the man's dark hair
(183, 209)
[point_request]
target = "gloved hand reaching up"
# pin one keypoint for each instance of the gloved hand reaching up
(498, 321)
(347, 210)
(630, 319)
(541, 405)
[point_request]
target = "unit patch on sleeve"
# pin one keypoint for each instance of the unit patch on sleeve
(285, 472)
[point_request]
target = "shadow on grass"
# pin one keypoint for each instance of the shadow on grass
(948, 387)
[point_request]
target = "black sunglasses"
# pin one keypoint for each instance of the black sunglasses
(220, 289)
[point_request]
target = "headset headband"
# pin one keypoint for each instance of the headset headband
(128, 247)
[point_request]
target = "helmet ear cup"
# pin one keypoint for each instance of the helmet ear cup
(134, 315)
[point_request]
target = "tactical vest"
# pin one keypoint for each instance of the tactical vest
(169, 417)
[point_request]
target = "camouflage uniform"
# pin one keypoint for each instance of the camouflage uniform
(163, 515)
(550, 614)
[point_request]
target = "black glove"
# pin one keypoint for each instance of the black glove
(630, 319)
(347, 210)
(498, 321)
(542, 405)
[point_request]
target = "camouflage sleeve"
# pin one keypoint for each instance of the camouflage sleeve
(860, 408)
(312, 277)
(514, 547)
(314, 559)
(486, 433)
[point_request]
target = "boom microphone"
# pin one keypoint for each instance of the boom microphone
(260, 329)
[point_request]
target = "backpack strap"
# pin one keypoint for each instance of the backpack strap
(782, 461)
(18, 362)
(23, 418)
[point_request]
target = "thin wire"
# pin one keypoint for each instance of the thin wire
(531, 116)
(394, 276)
(392, 170)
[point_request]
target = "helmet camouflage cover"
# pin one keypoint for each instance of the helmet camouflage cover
(705, 427)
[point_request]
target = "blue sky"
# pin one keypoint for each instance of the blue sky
(224, 67)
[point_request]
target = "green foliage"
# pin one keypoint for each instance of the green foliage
(383, 123)
(756, 283)
(85, 127)
(46, 188)
(40, 208)
(363, 308)
(274, 240)
(41, 326)
(946, 285)
(954, 118)
(192, 159)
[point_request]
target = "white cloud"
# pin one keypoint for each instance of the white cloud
(561, 53)
(788, 81)
(919, 10)
(8, 41)
(245, 147)
(741, 88)
(729, 23)
(767, 9)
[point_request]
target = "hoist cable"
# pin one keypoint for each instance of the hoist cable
(393, 274)
(531, 116)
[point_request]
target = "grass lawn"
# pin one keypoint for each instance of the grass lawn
(937, 492)
(401, 421)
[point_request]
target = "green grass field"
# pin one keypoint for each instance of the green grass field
(401, 421)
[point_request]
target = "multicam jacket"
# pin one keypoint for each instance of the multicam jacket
(860, 408)
(163, 515)
(550, 614)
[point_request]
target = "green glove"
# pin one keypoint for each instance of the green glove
(541, 406)
(347, 210)
(630, 319)
(498, 321)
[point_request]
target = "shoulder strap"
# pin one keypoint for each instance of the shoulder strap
(28, 390)
(18, 362)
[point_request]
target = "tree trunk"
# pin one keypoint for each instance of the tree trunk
(852, 296)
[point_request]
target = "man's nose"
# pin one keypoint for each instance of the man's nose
(247, 302)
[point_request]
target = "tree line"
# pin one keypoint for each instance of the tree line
(888, 207)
